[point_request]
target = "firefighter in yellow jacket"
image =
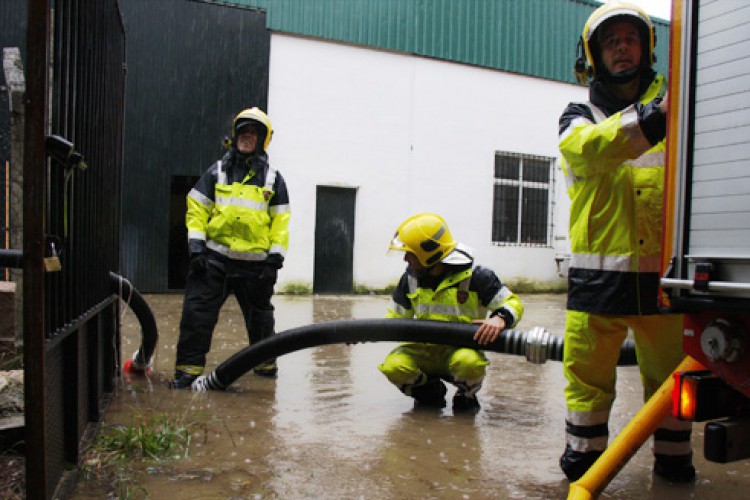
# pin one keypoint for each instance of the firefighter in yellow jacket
(441, 283)
(612, 153)
(237, 221)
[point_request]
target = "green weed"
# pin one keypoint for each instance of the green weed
(109, 462)
(151, 437)
(524, 285)
(296, 288)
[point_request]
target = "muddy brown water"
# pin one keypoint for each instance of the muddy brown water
(331, 426)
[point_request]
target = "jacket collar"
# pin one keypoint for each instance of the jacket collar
(601, 96)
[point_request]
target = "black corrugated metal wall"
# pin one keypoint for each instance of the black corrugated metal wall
(191, 67)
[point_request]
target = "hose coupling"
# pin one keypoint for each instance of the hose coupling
(537, 344)
(139, 361)
(208, 382)
(137, 365)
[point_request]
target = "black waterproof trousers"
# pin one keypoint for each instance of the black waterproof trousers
(205, 294)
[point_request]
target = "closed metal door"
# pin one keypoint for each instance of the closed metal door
(334, 240)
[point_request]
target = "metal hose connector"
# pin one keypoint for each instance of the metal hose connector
(140, 362)
(538, 341)
(207, 382)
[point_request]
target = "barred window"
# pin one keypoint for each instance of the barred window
(522, 199)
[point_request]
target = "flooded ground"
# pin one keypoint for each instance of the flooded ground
(331, 426)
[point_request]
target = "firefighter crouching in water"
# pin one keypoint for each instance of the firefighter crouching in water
(613, 158)
(441, 283)
(237, 220)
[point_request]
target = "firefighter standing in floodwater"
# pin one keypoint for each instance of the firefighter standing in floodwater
(237, 220)
(612, 153)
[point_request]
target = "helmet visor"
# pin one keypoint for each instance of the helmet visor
(397, 244)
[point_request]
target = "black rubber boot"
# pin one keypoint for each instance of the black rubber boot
(267, 369)
(575, 463)
(675, 469)
(182, 380)
(431, 394)
(465, 404)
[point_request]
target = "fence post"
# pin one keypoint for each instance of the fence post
(33, 249)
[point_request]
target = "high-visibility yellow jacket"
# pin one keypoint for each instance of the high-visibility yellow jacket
(462, 297)
(240, 209)
(613, 159)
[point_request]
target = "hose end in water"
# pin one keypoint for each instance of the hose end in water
(208, 382)
(136, 365)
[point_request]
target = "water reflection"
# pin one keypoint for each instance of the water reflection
(331, 426)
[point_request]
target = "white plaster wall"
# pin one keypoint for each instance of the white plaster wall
(411, 134)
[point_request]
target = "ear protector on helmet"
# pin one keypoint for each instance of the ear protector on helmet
(582, 72)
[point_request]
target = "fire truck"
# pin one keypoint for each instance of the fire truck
(707, 228)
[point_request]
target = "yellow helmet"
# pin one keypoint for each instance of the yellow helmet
(258, 117)
(427, 236)
(588, 46)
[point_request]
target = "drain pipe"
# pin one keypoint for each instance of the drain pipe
(142, 359)
(537, 344)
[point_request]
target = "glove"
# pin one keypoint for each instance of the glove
(652, 121)
(198, 263)
(269, 274)
(275, 260)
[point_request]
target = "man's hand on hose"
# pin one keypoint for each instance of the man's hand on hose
(489, 329)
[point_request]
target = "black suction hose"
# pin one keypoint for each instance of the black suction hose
(11, 258)
(149, 335)
(141, 359)
(538, 345)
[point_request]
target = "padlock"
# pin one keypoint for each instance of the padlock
(52, 263)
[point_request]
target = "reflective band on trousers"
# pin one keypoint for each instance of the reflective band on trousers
(583, 445)
(584, 418)
(618, 263)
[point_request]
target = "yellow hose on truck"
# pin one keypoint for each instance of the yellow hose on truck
(629, 441)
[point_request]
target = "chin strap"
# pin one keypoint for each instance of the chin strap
(626, 76)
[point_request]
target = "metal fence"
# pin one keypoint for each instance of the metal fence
(75, 77)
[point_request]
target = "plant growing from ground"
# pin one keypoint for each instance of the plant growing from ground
(296, 288)
(148, 439)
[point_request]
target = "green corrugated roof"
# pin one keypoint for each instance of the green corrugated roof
(531, 37)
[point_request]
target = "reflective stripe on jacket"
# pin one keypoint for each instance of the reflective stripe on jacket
(238, 211)
(615, 183)
(460, 297)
